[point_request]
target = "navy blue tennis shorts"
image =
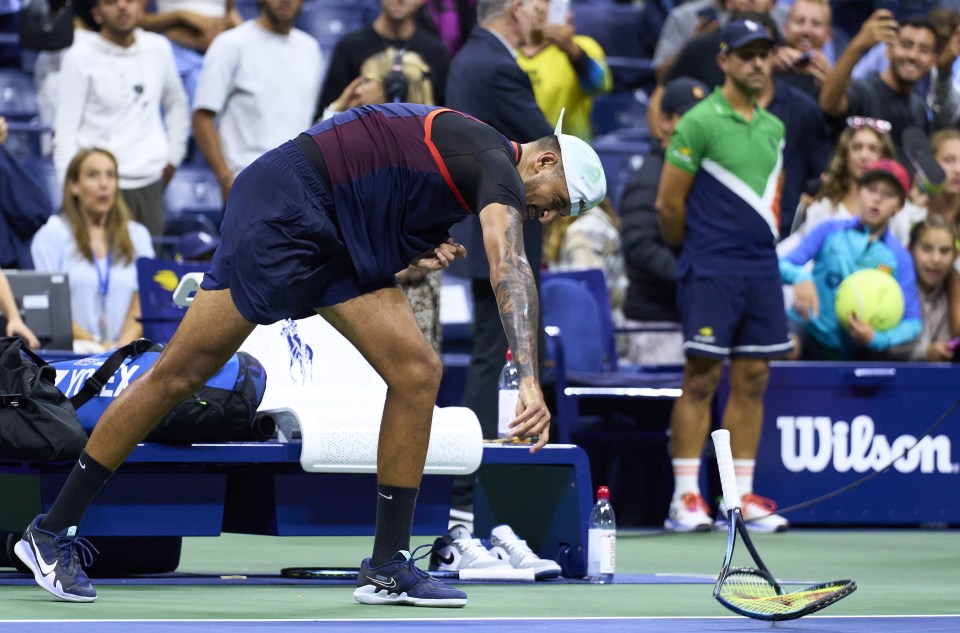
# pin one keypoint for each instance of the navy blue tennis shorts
(281, 252)
(733, 316)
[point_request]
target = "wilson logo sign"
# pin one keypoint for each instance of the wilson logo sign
(815, 443)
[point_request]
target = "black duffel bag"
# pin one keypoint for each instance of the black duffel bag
(37, 422)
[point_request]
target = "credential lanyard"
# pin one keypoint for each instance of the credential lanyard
(103, 287)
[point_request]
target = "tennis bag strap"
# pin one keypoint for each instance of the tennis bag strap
(95, 383)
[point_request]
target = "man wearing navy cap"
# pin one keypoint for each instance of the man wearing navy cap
(718, 202)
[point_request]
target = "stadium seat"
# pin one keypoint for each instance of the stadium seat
(194, 190)
(18, 95)
(157, 279)
(616, 28)
(619, 110)
(329, 20)
(582, 351)
(621, 152)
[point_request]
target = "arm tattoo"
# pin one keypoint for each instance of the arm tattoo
(517, 298)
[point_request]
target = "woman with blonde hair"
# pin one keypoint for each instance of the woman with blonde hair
(94, 240)
(863, 141)
(378, 82)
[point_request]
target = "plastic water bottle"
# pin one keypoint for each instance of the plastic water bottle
(602, 543)
(509, 389)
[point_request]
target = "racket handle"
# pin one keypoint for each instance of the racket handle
(728, 478)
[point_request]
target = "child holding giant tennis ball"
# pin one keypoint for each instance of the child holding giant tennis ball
(833, 321)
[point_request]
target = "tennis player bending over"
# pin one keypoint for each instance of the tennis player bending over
(321, 225)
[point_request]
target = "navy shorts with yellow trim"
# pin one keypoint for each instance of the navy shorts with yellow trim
(281, 251)
(733, 316)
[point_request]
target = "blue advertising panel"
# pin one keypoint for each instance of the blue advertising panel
(826, 425)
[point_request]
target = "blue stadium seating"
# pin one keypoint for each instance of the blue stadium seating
(329, 20)
(617, 28)
(621, 152)
(194, 191)
(18, 95)
(619, 110)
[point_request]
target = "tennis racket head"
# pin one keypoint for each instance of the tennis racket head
(754, 593)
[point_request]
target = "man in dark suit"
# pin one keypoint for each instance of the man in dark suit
(486, 82)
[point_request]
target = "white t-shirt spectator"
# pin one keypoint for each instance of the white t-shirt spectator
(262, 85)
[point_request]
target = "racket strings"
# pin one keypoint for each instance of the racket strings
(750, 593)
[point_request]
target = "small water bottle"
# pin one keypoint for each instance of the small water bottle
(602, 542)
(509, 390)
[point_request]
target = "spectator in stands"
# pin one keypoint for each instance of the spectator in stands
(863, 141)
(808, 139)
(375, 85)
(394, 26)
(889, 95)
(191, 26)
(695, 56)
(945, 20)
(651, 264)
(121, 91)
(566, 70)
(450, 20)
(94, 239)
(486, 82)
(933, 246)
(945, 145)
(699, 17)
(46, 76)
(421, 287)
(802, 61)
(11, 314)
(840, 247)
(258, 87)
(591, 240)
(716, 199)
(196, 246)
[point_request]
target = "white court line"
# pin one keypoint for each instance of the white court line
(462, 619)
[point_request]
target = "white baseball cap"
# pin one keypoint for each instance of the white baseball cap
(586, 182)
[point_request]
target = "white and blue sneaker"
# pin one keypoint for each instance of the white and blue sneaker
(400, 581)
(57, 561)
(459, 550)
(507, 546)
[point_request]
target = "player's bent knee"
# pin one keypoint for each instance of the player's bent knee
(420, 371)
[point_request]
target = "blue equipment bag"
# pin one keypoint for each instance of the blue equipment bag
(223, 410)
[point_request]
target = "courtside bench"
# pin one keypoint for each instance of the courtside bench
(163, 493)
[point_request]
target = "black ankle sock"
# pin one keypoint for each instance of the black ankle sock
(83, 484)
(395, 508)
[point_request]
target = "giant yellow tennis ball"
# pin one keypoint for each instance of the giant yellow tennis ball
(873, 295)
